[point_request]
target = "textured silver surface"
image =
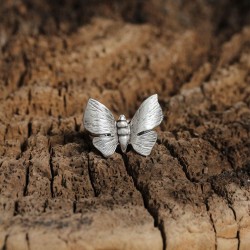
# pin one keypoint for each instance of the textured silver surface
(108, 134)
(98, 119)
(100, 122)
(123, 131)
(144, 143)
(106, 144)
(148, 116)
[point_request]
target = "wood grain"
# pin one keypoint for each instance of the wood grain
(57, 191)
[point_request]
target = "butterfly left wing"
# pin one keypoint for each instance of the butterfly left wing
(106, 144)
(148, 116)
(99, 120)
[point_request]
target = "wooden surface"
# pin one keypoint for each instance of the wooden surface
(58, 192)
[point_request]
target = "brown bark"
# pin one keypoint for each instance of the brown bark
(57, 191)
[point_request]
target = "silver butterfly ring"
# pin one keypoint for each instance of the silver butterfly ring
(108, 133)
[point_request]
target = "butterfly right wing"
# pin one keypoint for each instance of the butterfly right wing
(144, 143)
(148, 116)
(99, 120)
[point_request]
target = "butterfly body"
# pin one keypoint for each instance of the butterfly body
(108, 133)
(123, 132)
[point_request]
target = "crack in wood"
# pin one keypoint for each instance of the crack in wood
(238, 237)
(231, 208)
(27, 240)
(151, 210)
(51, 170)
(45, 205)
(29, 128)
(27, 176)
(5, 242)
(65, 104)
(174, 154)
(212, 222)
(6, 131)
(29, 97)
(238, 231)
(24, 73)
(77, 126)
(16, 208)
(220, 151)
(91, 178)
(74, 206)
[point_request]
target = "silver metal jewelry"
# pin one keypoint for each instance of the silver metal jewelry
(108, 133)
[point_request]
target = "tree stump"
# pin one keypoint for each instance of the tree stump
(57, 191)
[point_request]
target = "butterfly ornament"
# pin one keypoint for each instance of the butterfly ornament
(108, 133)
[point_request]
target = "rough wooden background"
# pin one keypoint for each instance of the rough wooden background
(57, 191)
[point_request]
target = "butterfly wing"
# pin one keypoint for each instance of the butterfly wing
(144, 143)
(106, 144)
(99, 120)
(148, 116)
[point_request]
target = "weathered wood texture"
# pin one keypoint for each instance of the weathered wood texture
(57, 191)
